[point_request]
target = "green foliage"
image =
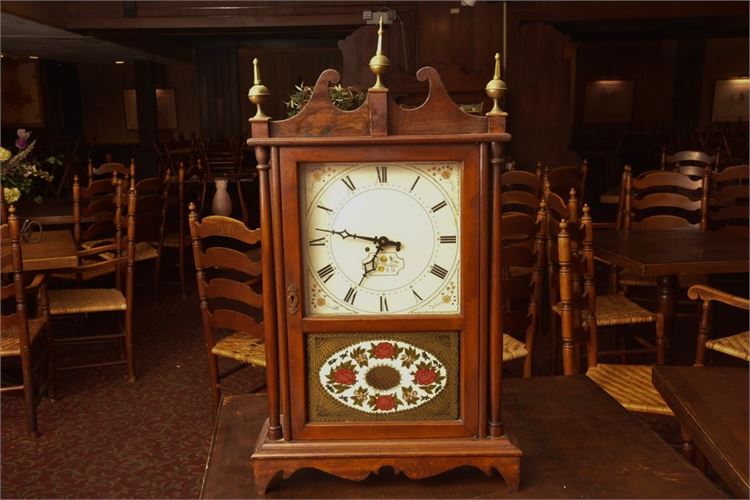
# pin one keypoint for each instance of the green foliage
(345, 98)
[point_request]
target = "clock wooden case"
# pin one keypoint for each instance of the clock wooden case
(381, 285)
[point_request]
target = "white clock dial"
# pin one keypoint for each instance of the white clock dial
(381, 238)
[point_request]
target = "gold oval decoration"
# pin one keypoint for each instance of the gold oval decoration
(383, 376)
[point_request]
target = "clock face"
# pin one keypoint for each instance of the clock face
(381, 238)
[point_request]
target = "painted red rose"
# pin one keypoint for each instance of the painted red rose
(344, 376)
(385, 403)
(385, 350)
(424, 376)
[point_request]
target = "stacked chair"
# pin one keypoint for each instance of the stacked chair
(522, 247)
(22, 336)
(728, 206)
(689, 162)
(229, 292)
(113, 255)
(582, 312)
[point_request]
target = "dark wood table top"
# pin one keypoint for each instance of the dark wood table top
(56, 250)
(650, 252)
(577, 442)
(712, 402)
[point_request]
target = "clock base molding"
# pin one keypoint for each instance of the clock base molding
(356, 460)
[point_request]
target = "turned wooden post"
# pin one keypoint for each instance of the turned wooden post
(496, 328)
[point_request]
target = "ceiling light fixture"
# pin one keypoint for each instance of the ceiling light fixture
(34, 57)
(119, 61)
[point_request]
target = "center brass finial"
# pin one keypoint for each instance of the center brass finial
(496, 89)
(379, 62)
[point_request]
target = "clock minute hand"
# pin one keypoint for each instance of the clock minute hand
(380, 241)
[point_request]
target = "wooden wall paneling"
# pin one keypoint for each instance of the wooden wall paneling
(148, 129)
(687, 85)
(218, 83)
(540, 77)
(103, 104)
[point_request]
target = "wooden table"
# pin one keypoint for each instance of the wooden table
(711, 403)
(664, 254)
(52, 212)
(577, 442)
(56, 250)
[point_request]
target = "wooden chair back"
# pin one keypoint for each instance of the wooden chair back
(226, 276)
(94, 203)
(12, 285)
(110, 168)
(666, 200)
(522, 258)
(564, 178)
(521, 191)
(573, 264)
(24, 336)
(730, 200)
(689, 162)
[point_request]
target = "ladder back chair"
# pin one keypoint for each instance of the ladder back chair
(521, 191)
(522, 247)
(93, 225)
(735, 345)
(115, 256)
(564, 178)
(630, 385)
(729, 200)
(230, 302)
(173, 233)
(664, 200)
(110, 168)
(688, 162)
(22, 337)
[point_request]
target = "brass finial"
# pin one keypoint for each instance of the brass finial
(258, 93)
(496, 89)
(379, 62)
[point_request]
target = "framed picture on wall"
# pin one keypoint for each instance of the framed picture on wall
(608, 101)
(731, 100)
(166, 109)
(22, 97)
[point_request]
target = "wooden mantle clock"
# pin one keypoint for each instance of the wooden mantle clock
(381, 248)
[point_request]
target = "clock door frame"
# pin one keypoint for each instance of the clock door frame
(466, 323)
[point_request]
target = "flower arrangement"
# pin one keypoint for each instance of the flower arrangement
(346, 98)
(18, 172)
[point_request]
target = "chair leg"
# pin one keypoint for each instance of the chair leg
(660, 347)
(213, 370)
(129, 345)
(51, 381)
(29, 396)
(688, 449)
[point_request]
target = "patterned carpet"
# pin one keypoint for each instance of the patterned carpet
(105, 438)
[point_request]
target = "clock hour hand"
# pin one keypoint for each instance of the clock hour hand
(370, 265)
(380, 241)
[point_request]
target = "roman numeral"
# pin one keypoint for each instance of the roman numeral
(383, 303)
(325, 208)
(416, 295)
(382, 174)
(415, 183)
(439, 271)
(326, 273)
(318, 242)
(439, 206)
(447, 239)
(350, 296)
(348, 181)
